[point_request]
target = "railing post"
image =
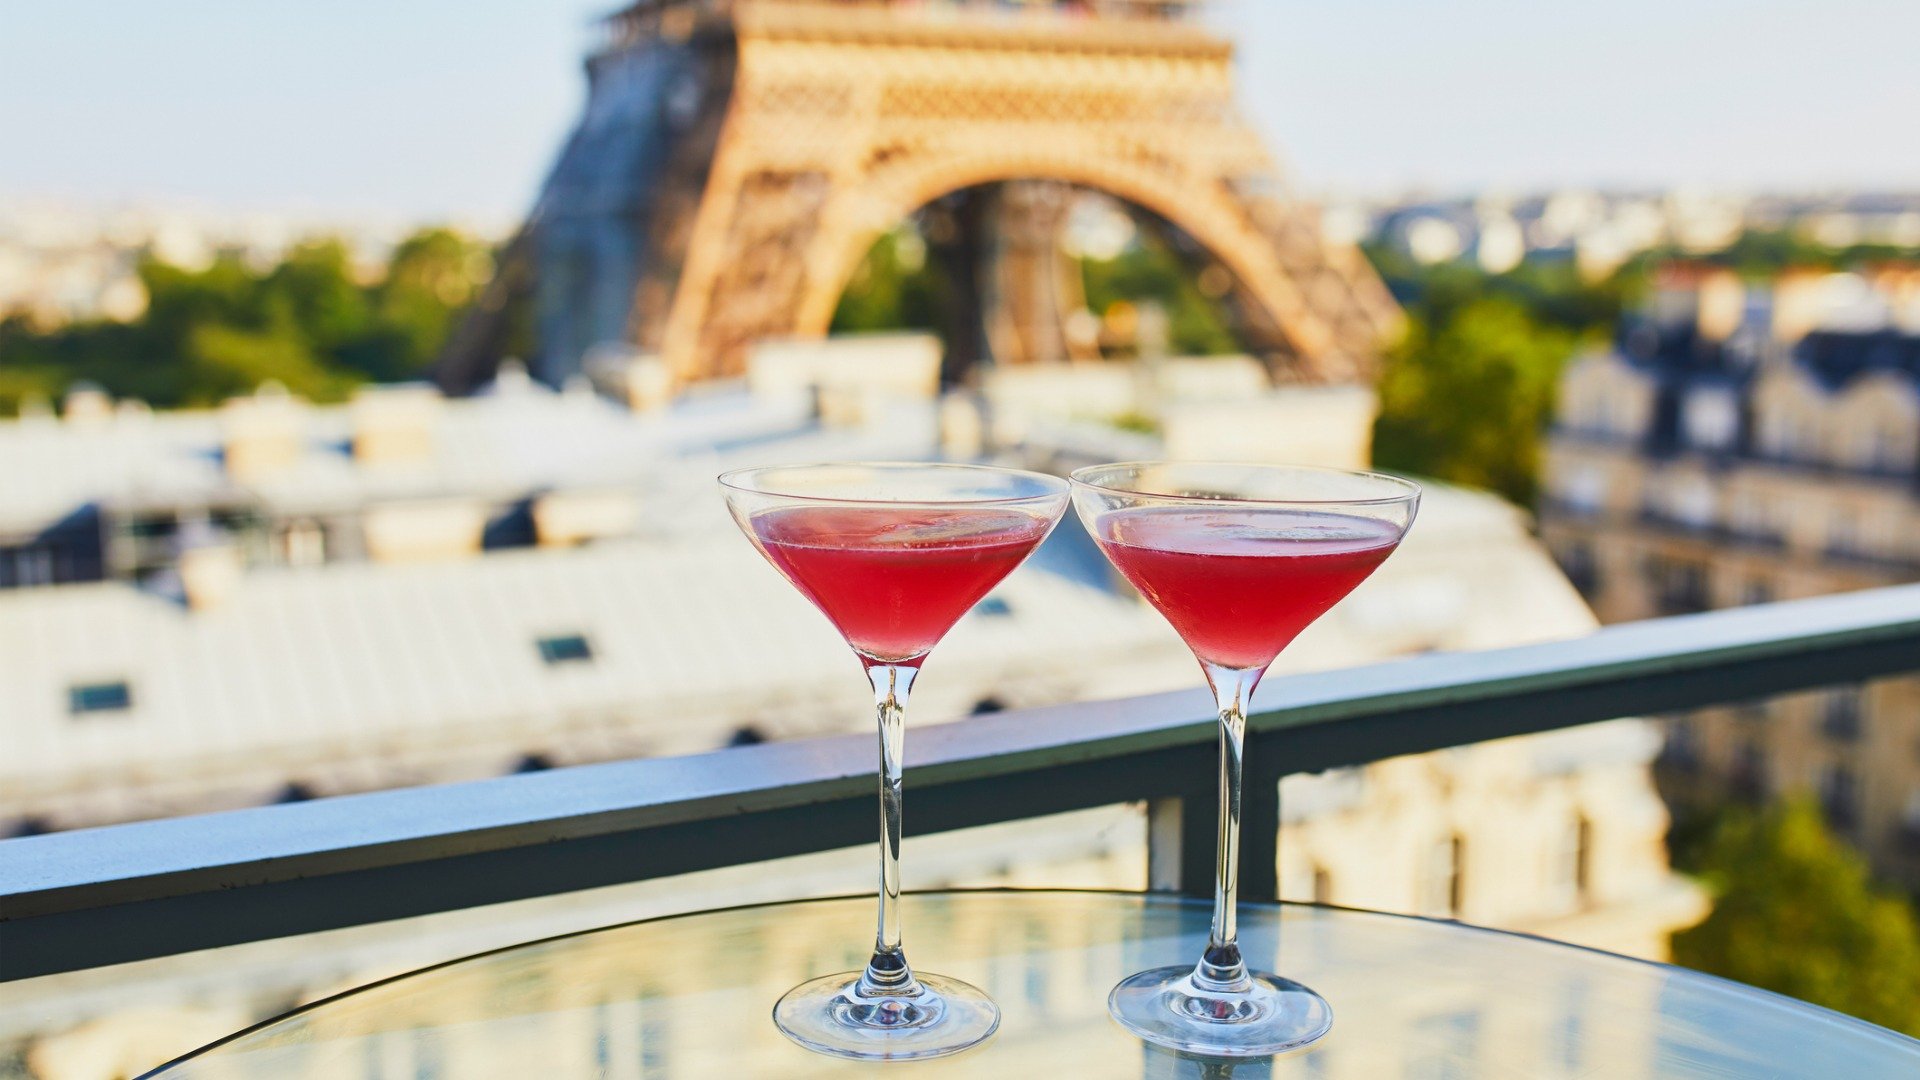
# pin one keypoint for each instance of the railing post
(1180, 831)
(1260, 823)
(1181, 834)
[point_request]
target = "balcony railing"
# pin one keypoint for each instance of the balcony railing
(101, 896)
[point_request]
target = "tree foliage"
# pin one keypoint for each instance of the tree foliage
(889, 292)
(894, 288)
(1759, 254)
(1147, 271)
(308, 322)
(1795, 912)
(1465, 394)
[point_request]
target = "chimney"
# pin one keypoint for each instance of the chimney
(1297, 425)
(853, 378)
(649, 384)
(622, 373)
(263, 434)
(1799, 303)
(86, 405)
(424, 531)
(1723, 305)
(566, 518)
(396, 425)
(1709, 298)
(210, 575)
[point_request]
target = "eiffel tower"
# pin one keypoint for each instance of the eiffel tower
(737, 159)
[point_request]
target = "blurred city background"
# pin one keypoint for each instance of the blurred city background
(364, 371)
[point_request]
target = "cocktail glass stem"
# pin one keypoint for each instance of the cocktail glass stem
(887, 972)
(1221, 968)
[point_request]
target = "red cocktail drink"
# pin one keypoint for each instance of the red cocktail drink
(1239, 559)
(1239, 584)
(893, 554)
(893, 581)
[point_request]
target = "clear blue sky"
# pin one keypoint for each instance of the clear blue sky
(431, 108)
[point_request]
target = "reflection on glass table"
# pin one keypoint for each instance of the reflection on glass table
(1418, 999)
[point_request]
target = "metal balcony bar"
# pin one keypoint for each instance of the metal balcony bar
(93, 897)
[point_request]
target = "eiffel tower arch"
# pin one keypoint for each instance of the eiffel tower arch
(738, 159)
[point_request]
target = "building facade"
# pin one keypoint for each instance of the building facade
(1744, 444)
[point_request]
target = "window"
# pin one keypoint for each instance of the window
(1753, 518)
(1711, 419)
(1910, 823)
(1892, 451)
(1583, 861)
(1749, 777)
(1681, 752)
(746, 736)
(1843, 534)
(565, 649)
(1570, 867)
(1840, 798)
(88, 698)
(1757, 591)
(1442, 878)
(1322, 886)
(24, 566)
(1582, 490)
(1680, 586)
(1790, 437)
(304, 544)
(1840, 720)
(30, 825)
(1691, 501)
(993, 605)
(1578, 562)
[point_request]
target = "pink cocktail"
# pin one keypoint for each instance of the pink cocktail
(893, 556)
(1239, 585)
(1239, 559)
(894, 581)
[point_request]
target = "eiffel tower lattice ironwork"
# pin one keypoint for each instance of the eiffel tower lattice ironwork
(737, 158)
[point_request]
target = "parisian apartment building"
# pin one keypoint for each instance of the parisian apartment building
(1744, 442)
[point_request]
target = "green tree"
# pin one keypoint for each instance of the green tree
(1795, 912)
(1148, 271)
(1465, 394)
(432, 275)
(313, 292)
(228, 361)
(21, 382)
(310, 323)
(891, 292)
(894, 288)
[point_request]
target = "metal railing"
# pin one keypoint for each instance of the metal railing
(93, 897)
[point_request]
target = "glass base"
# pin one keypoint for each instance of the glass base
(828, 1015)
(1274, 1015)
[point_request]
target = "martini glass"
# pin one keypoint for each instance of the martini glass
(1240, 559)
(892, 555)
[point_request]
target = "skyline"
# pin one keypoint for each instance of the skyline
(445, 112)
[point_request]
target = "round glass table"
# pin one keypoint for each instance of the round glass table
(690, 996)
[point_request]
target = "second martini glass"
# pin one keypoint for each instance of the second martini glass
(892, 555)
(1240, 559)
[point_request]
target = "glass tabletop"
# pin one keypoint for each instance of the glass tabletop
(690, 996)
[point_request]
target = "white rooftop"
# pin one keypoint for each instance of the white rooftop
(351, 675)
(520, 438)
(355, 676)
